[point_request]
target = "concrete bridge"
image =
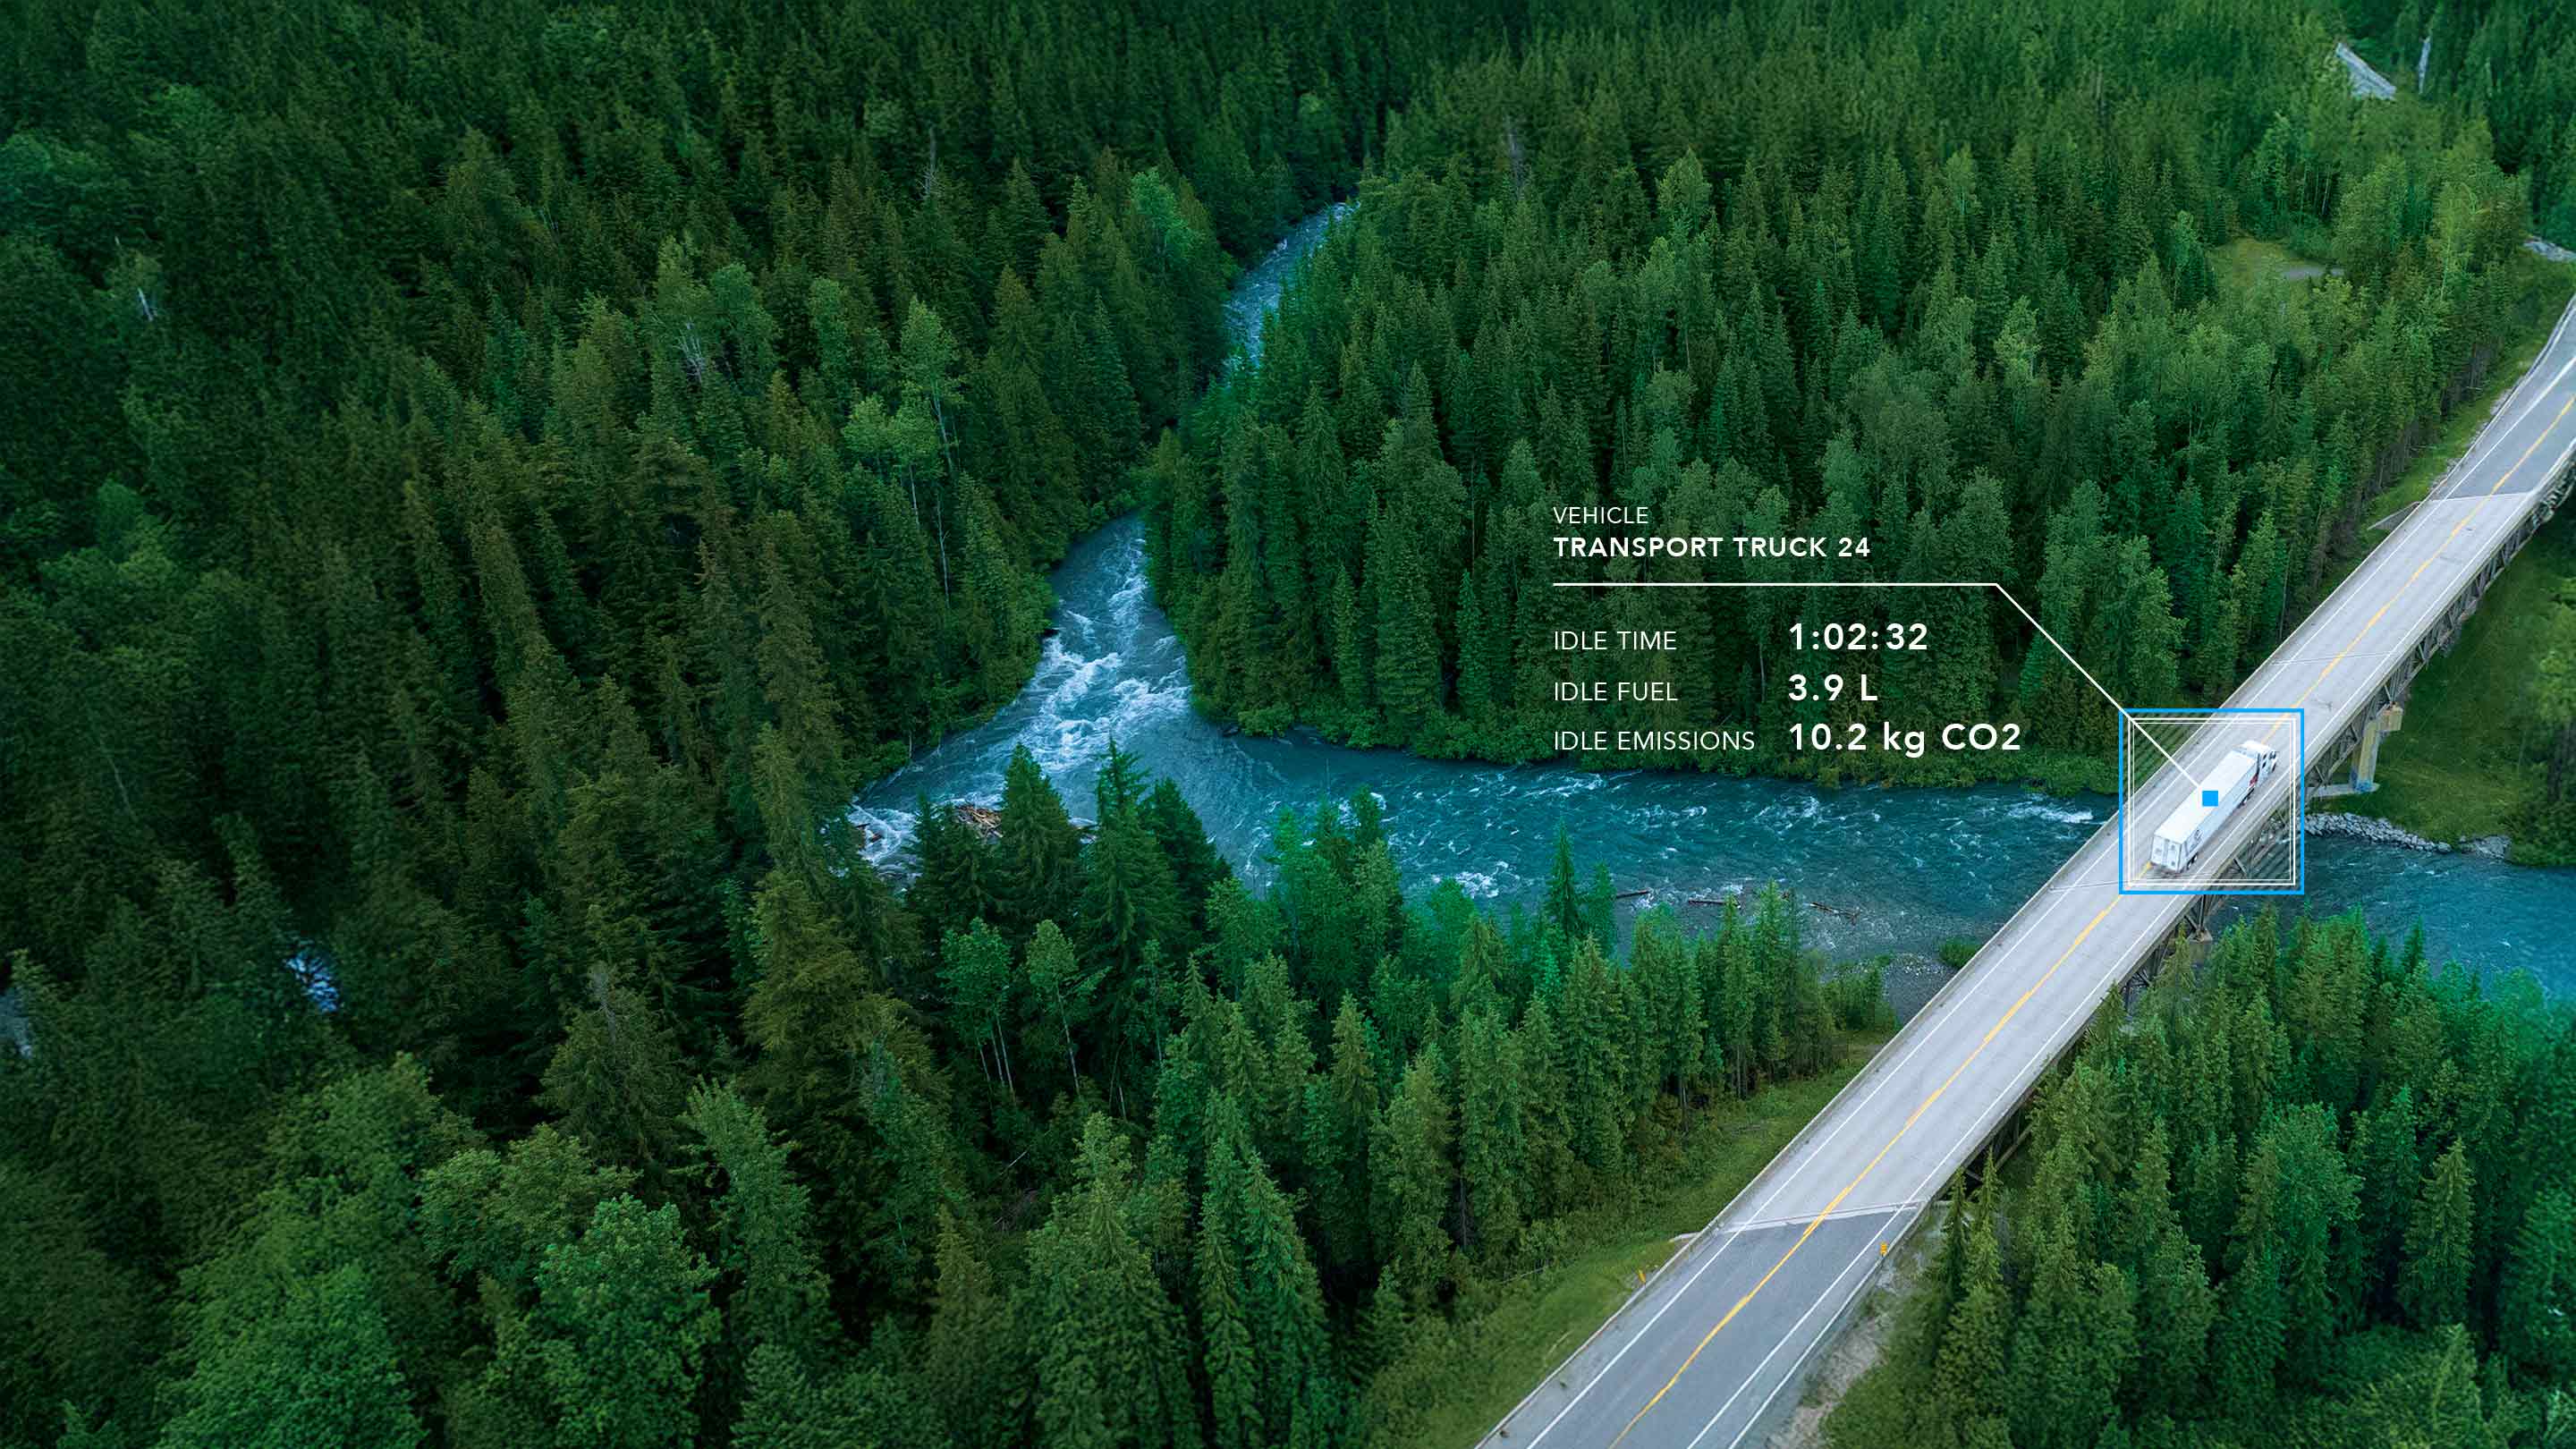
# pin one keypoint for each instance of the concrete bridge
(1709, 1354)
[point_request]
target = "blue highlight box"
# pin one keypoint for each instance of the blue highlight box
(2298, 810)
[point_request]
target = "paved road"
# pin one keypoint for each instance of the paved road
(1707, 1352)
(2370, 84)
(2365, 80)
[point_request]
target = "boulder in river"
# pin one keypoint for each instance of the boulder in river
(986, 821)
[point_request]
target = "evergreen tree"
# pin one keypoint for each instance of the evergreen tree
(616, 1080)
(494, 1214)
(1041, 853)
(1060, 991)
(1976, 1343)
(1130, 896)
(613, 1350)
(1341, 1110)
(763, 1226)
(974, 1338)
(2539, 1278)
(320, 1370)
(2301, 1335)
(1409, 1180)
(1270, 1373)
(2074, 1343)
(2434, 1283)
(955, 872)
(2245, 1352)
(1564, 907)
(1112, 1362)
(791, 1407)
(1491, 1147)
(2176, 1308)
(1196, 866)
(472, 512)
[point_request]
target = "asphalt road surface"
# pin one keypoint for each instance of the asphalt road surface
(2365, 80)
(1709, 1351)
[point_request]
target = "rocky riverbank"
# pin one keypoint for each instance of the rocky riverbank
(2380, 832)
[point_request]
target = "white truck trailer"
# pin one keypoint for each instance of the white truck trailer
(2194, 821)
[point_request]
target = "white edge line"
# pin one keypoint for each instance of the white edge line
(1831, 1294)
(1682, 1288)
(1914, 1203)
(2468, 461)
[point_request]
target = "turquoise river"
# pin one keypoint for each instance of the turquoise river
(1894, 871)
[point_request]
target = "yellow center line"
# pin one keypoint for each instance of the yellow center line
(2464, 521)
(2072, 947)
(1910, 1119)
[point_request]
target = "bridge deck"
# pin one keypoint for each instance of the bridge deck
(1700, 1358)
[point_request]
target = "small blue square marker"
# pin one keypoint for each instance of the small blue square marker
(2209, 798)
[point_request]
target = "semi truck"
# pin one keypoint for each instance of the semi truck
(2194, 821)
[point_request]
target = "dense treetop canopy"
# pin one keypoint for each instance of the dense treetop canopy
(2314, 1192)
(1945, 280)
(481, 484)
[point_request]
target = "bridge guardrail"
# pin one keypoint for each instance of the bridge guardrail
(2059, 1039)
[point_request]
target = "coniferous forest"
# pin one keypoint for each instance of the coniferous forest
(2513, 64)
(2314, 1193)
(483, 483)
(1975, 318)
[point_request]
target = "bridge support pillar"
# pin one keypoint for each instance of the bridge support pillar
(2365, 754)
(2365, 760)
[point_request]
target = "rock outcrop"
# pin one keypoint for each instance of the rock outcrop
(2372, 829)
